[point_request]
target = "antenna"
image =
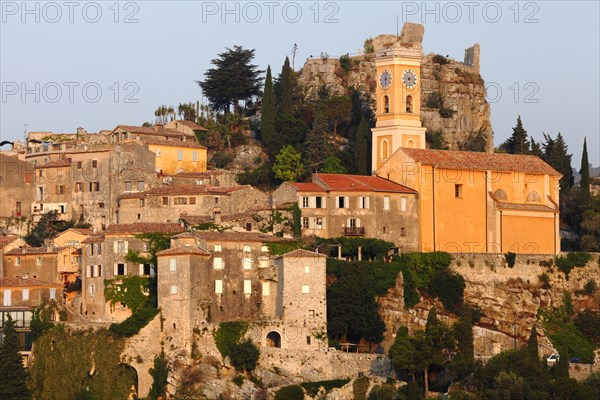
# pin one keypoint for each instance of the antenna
(397, 26)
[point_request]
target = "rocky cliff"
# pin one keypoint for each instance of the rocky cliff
(509, 299)
(453, 96)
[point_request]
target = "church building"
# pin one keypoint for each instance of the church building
(469, 202)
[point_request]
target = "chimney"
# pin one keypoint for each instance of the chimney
(217, 215)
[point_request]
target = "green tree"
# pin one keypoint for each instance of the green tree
(517, 143)
(232, 79)
(286, 98)
(288, 164)
(337, 110)
(562, 366)
(333, 165)
(46, 228)
(362, 151)
(187, 111)
(536, 148)
(269, 114)
(556, 154)
(317, 147)
(532, 348)
(244, 355)
(160, 373)
(585, 174)
(463, 363)
(13, 376)
(402, 354)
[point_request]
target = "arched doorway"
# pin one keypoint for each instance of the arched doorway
(274, 339)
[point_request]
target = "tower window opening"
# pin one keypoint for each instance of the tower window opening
(386, 104)
(409, 104)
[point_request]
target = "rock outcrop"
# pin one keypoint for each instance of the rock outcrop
(462, 112)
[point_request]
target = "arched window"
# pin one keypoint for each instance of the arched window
(273, 339)
(410, 144)
(385, 150)
(409, 104)
(534, 196)
(500, 194)
(386, 104)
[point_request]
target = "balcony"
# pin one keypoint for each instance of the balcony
(354, 231)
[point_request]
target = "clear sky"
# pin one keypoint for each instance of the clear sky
(540, 59)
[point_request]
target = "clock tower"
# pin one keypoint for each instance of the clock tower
(398, 99)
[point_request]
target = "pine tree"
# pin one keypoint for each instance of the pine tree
(536, 148)
(287, 96)
(556, 154)
(268, 115)
(362, 151)
(585, 174)
(13, 376)
(517, 143)
(317, 147)
(532, 348)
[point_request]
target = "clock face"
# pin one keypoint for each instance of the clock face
(409, 78)
(385, 79)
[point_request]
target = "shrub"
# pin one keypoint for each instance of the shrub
(159, 373)
(449, 288)
(228, 334)
(434, 100)
(238, 380)
(447, 112)
(383, 392)
(510, 259)
(360, 387)
(244, 355)
(572, 260)
(312, 388)
(440, 59)
(588, 322)
(545, 281)
(292, 392)
(134, 323)
(346, 63)
(221, 159)
(74, 286)
(590, 287)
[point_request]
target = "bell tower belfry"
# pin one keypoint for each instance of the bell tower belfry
(398, 99)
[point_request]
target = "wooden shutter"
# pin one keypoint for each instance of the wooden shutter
(141, 269)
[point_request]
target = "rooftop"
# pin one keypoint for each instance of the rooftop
(184, 190)
(183, 250)
(55, 164)
(144, 227)
(301, 253)
(7, 239)
(359, 183)
(238, 237)
(24, 282)
(157, 130)
(192, 125)
(174, 143)
(35, 250)
(481, 161)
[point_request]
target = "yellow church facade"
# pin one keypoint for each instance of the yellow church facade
(469, 202)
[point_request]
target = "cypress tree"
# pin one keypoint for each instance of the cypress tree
(562, 367)
(362, 151)
(532, 347)
(316, 146)
(268, 116)
(463, 362)
(287, 95)
(585, 174)
(518, 142)
(13, 376)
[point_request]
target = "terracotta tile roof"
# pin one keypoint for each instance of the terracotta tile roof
(22, 282)
(185, 190)
(145, 227)
(196, 219)
(525, 207)
(55, 164)
(183, 250)
(83, 231)
(301, 253)
(35, 250)
(307, 187)
(190, 124)
(94, 239)
(203, 219)
(174, 143)
(360, 183)
(158, 130)
(238, 237)
(481, 161)
(7, 239)
(206, 174)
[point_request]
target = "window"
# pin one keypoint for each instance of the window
(385, 229)
(92, 290)
(247, 263)
(264, 249)
(165, 201)
(386, 104)
(216, 200)
(25, 294)
(311, 313)
(18, 261)
(192, 200)
(147, 269)
(308, 340)
(142, 202)
(79, 186)
(217, 263)
(263, 262)
(120, 269)
(247, 249)
(60, 189)
(38, 261)
(194, 156)
(409, 104)
(97, 271)
(121, 247)
(157, 152)
(247, 286)
(218, 286)
(305, 201)
(306, 269)
(342, 202)
(248, 226)
(305, 222)
(7, 297)
(363, 202)
(458, 191)
(320, 202)
(128, 186)
(218, 247)
(403, 204)
(52, 293)
(99, 248)
(319, 223)
(172, 265)
(139, 216)
(402, 232)
(100, 205)
(353, 222)
(385, 149)
(94, 163)
(180, 200)
(79, 164)
(266, 289)
(141, 186)
(386, 202)
(180, 155)
(173, 289)
(305, 289)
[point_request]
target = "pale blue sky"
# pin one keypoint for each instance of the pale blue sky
(556, 51)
